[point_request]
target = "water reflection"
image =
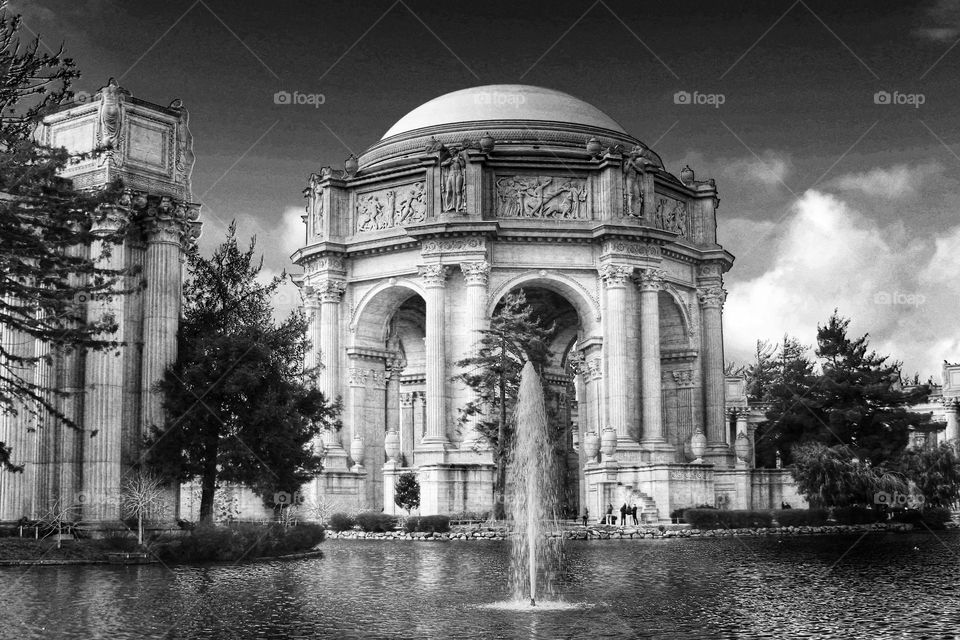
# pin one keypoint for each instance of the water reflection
(802, 587)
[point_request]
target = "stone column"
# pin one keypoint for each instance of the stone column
(406, 428)
(166, 227)
(475, 275)
(620, 397)
(950, 408)
(650, 282)
(15, 492)
(102, 418)
(434, 279)
(329, 293)
(312, 309)
(711, 303)
(419, 418)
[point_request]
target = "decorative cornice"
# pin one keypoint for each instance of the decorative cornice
(627, 248)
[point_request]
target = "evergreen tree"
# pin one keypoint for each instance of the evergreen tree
(515, 336)
(788, 378)
(762, 372)
(45, 226)
(406, 493)
(237, 404)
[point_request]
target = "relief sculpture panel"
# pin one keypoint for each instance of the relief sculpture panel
(542, 197)
(394, 207)
(672, 215)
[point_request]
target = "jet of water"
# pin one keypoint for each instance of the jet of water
(533, 495)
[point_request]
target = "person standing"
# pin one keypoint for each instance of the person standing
(609, 513)
(623, 514)
(586, 515)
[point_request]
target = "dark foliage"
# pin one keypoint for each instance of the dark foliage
(374, 522)
(427, 524)
(341, 522)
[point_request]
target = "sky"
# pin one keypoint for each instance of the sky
(831, 128)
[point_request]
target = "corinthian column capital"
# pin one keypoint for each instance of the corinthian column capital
(330, 290)
(650, 279)
(712, 297)
(434, 275)
(615, 275)
(476, 273)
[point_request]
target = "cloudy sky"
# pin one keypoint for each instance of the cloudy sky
(831, 128)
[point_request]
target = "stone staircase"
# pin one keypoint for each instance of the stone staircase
(647, 512)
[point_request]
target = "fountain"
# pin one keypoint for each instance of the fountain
(532, 502)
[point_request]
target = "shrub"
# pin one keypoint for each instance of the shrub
(856, 515)
(341, 522)
(208, 543)
(429, 524)
(373, 522)
(932, 517)
(734, 519)
(118, 540)
(800, 517)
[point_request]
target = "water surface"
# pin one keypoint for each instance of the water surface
(875, 586)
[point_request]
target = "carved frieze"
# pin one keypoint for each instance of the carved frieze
(542, 197)
(472, 244)
(325, 263)
(683, 378)
(624, 247)
(671, 215)
(393, 207)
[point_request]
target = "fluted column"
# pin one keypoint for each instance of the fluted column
(104, 395)
(620, 398)
(166, 227)
(711, 303)
(406, 427)
(650, 282)
(475, 275)
(311, 306)
(329, 294)
(434, 279)
(15, 494)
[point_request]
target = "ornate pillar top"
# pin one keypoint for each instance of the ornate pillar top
(650, 279)
(950, 402)
(330, 290)
(712, 297)
(434, 276)
(476, 273)
(683, 378)
(615, 276)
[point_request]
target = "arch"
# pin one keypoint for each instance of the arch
(370, 320)
(586, 305)
(681, 306)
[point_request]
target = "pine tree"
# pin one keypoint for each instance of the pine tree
(46, 228)
(239, 407)
(406, 493)
(792, 414)
(515, 336)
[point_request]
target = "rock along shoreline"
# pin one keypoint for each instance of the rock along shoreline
(627, 533)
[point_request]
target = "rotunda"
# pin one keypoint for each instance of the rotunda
(411, 247)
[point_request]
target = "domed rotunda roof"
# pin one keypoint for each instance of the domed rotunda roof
(503, 102)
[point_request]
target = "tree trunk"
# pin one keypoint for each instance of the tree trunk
(140, 529)
(499, 485)
(208, 483)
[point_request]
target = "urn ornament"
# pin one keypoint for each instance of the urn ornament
(391, 445)
(591, 445)
(594, 147)
(487, 143)
(608, 442)
(686, 175)
(350, 165)
(742, 446)
(356, 450)
(698, 445)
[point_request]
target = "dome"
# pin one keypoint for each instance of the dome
(503, 102)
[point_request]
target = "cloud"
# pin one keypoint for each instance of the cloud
(944, 18)
(828, 255)
(898, 181)
(769, 169)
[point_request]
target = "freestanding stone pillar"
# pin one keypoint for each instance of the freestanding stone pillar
(950, 409)
(475, 275)
(406, 427)
(620, 397)
(103, 421)
(711, 302)
(651, 281)
(434, 278)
